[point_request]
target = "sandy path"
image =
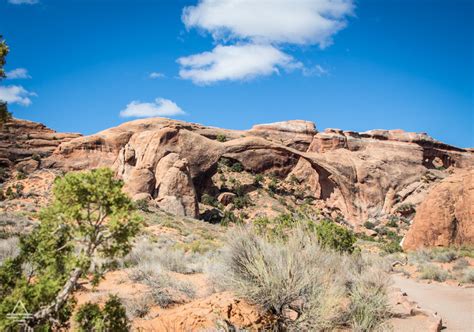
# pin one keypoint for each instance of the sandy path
(454, 304)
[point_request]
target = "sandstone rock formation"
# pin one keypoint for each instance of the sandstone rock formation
(23, 144)
(355, 176)
(359, 175)
(446, 216)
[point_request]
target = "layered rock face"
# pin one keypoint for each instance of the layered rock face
(23, 144)
(356, 175)
(446, 216)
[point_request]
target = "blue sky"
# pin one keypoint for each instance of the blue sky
(356, 66)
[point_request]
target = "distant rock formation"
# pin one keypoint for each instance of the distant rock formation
(23, 144)
(446, 216)
(358, 175)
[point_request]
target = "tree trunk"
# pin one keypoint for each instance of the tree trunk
(61, 298)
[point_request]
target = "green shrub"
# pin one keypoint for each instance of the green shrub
(9, 193)
(230, 218)
(89, 318)
(21, 175)
(273, 186)
(392, 223)
(333, 236)
(221, 138)
(406, 209)
(392, 247)
(369, 225)
(112, 317)
(209, 200)
(36, 157)
(258, 179)
(142, 205)
(279, 227)
(237, 167)
(241, 201)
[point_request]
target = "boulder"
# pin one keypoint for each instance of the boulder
(446, 216)
(176, 193)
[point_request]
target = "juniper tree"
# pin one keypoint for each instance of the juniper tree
(4, 114)
(88, 216)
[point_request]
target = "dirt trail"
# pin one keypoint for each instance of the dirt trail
(454, 304)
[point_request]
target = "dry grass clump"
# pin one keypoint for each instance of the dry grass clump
(8, 248)
(468, 276)
(163, 290)
(150, 263)
(138, 307)
(167, 256)
(433, 272)
(321, 289)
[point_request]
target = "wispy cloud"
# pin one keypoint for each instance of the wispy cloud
(261, 26)
(160, 107)
(235, 62)
(317, 70)
(155, 75)
(16, 94)
(23, 2)
(18, 73)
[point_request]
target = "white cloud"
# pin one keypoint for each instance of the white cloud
(235, 62)
(155, 75)
(21, 2)
(160, 107)
(18, 73)
(317, 70)
(277, 21)
(251, 35)
(16, 94)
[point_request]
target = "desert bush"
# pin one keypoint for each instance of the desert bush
(433, 272)
(237, 167)
(369, 225)
(142, 205)
(369, 307)
(392, 223)
(229, 217)
(273, 186)
(163, 290)
(444, 256)
(221, 138)
(330, 235)
(297, 273)
(138, 306)
(9, 248)
(90, 317)
(460, 264)
(468, 275)
(392, 247)
(241, 201)
(20, 175)
(36, 157)
(209, 200)
(419, 257)
(257, 180)
(166, 255)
